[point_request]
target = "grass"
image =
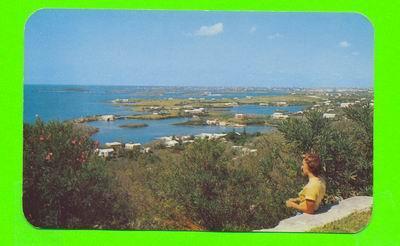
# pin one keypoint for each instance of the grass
(353, 223)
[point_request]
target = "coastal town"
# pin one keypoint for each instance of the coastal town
(218, 113)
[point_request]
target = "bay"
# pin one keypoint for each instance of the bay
(66, 102)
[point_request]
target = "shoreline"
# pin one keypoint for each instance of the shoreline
(221, 112)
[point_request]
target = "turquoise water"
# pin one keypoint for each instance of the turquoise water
(65, 102)
(110, 131)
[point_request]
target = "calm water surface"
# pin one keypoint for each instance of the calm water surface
(65, 102)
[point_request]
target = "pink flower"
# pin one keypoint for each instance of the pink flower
(49, 156)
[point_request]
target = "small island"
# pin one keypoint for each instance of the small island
(134, 125)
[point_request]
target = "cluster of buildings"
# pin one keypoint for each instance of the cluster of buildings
(171, 141)
(329, 112)
(112, 147)
(216, 122)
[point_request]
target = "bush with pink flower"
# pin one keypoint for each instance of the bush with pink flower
(65, 184)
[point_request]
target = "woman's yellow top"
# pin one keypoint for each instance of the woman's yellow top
(314, 190)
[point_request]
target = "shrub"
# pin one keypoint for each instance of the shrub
(304, 133)
(219, 191)
(345, 148)
(65, 185)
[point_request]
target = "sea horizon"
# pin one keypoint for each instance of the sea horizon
(205, 86)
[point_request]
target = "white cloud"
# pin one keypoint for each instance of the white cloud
(253, 29)
(344, 44)
(355, 53)
(275, 36)
(210, 30)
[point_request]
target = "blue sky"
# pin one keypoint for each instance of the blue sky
(203, 48)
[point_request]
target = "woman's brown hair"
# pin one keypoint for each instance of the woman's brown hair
(313, 162)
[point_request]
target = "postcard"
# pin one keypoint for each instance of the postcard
(198, 121)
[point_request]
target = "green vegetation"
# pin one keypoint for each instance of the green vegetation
(228, 121)
(201, 187)
(141, 104)
(157, 109)
(345, 148)
(65, 186)
(221, 194)
(353, 223)
(206, 185)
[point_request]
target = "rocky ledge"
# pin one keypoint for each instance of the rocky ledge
(325, 215)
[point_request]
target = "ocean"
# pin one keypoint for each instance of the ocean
(66, 102)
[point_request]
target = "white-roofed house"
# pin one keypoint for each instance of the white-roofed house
(279, 116)
(108, 117)
(195, 111)
(132, 146)
(212, 122)
(114, 144)
(328, 116)
(170, 143)
(106, 153)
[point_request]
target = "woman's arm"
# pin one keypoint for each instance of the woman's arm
(306, 207)
(297, 199)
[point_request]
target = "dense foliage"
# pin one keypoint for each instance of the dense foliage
(219, 192)
(345, 147)
(205, 185)
(65, 186)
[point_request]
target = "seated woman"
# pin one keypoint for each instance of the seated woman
(311, 195)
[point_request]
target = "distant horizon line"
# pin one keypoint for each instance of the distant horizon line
(210, 86)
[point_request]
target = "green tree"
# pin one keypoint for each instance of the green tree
(344, 146)
(304, 133)
(362, 115)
